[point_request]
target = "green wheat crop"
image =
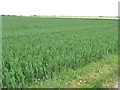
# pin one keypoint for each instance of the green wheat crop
(37, 48)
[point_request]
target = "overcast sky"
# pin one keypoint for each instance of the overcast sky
(60, 7)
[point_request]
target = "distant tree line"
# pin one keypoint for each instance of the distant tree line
(7, 15)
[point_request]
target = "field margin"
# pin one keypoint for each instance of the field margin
(101, 74)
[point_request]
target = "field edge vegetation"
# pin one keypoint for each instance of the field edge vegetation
(101, 74)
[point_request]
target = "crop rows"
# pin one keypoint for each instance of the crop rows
(40, 48)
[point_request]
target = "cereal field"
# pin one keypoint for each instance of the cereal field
(36, 49)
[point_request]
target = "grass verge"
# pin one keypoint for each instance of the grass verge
(101, 74)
